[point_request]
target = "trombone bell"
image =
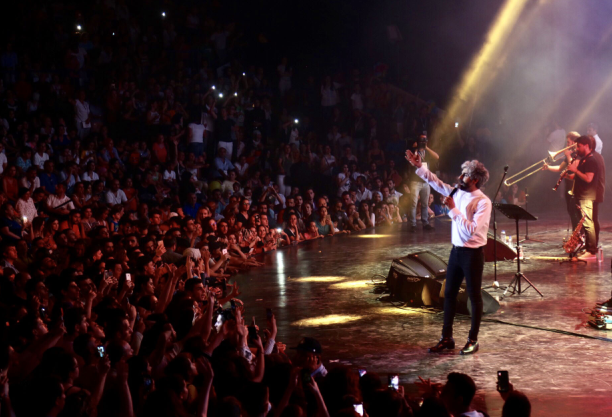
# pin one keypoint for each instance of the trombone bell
(521, 175)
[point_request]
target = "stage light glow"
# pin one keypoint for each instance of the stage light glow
(479, 70)
(372, 236)
(351, 284)
(588, 110)
(326, 320)
(319, 279)
(404, 311)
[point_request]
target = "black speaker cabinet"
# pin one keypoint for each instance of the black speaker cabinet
(418, 279)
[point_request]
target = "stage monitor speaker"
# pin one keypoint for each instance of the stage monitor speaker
(424, 264)
(504, 252)
(414, 290)
(490, 304)
(414, 278)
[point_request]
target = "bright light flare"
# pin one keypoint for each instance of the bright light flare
(404, 311)
(319, 279)
(482, 66)
(373, 236)
(327, 320)
(351, 284)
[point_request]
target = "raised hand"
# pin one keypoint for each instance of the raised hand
(414, 158)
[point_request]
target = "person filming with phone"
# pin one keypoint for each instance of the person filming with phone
(469, 210)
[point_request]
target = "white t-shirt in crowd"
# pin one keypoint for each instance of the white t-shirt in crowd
(364, 195)
(4, 161)
(169, 175)
(39, 160)
(345, 186)
(242, 169)
(118, 198)
(92, 177)
(197, 133)
(27, 184)
(54, 201)
(81, 112)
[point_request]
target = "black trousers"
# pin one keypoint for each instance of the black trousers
(463, 263)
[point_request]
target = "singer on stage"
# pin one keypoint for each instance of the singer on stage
(470, 211)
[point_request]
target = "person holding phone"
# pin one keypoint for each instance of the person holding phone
(308, 356)
(470, 210)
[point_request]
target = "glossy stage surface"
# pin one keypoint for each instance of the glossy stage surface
(324, 289)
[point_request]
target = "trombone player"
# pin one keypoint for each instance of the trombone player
(570, 154)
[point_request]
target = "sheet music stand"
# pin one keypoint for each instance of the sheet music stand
(517, 213)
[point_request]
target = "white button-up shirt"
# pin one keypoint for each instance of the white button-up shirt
(471, 213)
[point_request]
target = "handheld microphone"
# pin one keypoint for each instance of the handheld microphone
(454, 191)
(506, 169)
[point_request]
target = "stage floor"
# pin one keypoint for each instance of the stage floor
(324, 289)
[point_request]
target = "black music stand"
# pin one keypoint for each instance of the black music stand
(517, 213)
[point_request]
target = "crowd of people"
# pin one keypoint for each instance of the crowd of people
(143, 163)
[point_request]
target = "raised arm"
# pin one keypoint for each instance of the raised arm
(429, 177)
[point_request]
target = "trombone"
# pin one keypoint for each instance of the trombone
(552, 157)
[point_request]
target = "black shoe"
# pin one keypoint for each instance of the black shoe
(607, 304)
(444, 343)
(428, 227)
(412, 229)
(470, 347)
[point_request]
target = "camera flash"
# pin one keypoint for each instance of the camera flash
(213, 87)
(163, 14)
(296, 121)
(236, 94)
(113, 33)
(78, 27)
(456, 124)
(25, 219)
(244, 74)
(220, 95)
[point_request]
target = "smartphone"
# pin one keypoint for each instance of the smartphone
(219, 322)
(503, 381)
(306, 377)
(43, 312)
(278, 229)
(108, 274)
(358, 408)
(128, 276)
(223, 251)
(269, 314)
(101, 351)
(394, 381)
(252, 332)
(233, 304)
(362, 372)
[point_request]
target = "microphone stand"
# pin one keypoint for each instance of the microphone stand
(527, 224)
(495, 282)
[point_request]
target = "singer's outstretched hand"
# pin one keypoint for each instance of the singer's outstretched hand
(413, 158)
(449, 202)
